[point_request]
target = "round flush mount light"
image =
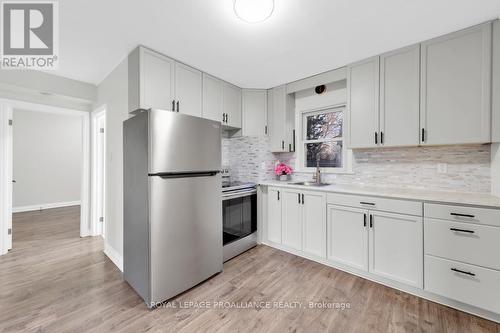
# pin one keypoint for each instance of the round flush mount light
(253, 11)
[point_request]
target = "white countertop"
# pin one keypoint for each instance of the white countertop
(464, 198)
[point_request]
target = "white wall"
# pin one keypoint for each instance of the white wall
(113, 92)
(47, 164)
(495, 169)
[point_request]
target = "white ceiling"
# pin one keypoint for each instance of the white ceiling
(302, 37)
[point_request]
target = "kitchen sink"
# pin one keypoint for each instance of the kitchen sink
(310, 184)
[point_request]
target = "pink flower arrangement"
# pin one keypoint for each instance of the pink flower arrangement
(283, 169)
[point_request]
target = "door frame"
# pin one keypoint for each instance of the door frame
(6, 112)
(95, 195)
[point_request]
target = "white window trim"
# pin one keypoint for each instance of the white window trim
(300, 154)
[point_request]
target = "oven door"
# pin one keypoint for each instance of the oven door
(239, 211)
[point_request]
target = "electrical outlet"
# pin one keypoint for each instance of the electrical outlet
(442, 168)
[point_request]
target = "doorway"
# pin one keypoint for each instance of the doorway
(7, 127)
(99, 172)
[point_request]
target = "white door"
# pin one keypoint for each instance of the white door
(212, 98)
(347, 240)
(292, 219)
(100, 169)
(274, 215)
(6, 180)
(254, 109)
(363, 103)
(314, 223)
(456, 87)
(188, 90)
(232, 105)
(396, 247)
(400, 97)
(157, 80)
(277, 119)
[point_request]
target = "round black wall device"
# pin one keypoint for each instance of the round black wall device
(320, 89)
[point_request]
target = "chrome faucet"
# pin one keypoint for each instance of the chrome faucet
(317, 176)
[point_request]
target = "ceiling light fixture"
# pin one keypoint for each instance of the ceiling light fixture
(253, 11)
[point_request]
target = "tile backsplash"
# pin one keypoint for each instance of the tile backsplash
(468, 166)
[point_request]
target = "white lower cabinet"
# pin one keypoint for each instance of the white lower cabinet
(292, 219)
(274, 215)
(314, 223)
(347, 236)
(396, 247)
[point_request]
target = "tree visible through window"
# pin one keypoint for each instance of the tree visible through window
(323, 138)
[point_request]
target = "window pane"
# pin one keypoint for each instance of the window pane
(324, 125)
(330, 154)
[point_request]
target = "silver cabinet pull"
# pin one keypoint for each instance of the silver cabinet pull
(462, 272)
(173, 105)
(177, 106)
(462, 230)
(462, 215)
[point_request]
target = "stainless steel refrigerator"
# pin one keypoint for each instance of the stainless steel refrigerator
(172, 203)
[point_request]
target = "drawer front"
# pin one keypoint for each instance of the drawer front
(463, 214)
(375, 203)
(472, 243)
(465, 283)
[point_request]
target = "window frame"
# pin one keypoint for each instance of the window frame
(300, 122)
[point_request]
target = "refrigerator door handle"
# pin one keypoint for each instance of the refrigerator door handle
(185, 174)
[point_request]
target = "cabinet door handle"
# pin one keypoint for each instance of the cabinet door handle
(376, 138)
(178, 106)
(462, 272)
(223, 117)
(173, 105)
(462, 230)
(278, 195)
(381, 138)
(423, 134)
(462, 215)
(302, 198)
(364, 220)
(367, 203)
(371, 221)
(298, 195)
(282, 144)
(265, 129)
(293, 140)
(227, 118)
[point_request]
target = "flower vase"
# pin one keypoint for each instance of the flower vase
(283, 178)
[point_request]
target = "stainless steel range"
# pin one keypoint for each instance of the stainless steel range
(239, 211)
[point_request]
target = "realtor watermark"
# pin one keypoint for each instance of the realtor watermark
(29, 35)
(280, 305)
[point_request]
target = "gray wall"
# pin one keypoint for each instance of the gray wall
(113, 92)
(47, 164)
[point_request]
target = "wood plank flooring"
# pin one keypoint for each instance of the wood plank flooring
(54, 281)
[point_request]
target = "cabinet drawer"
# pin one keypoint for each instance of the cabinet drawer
(375, 203)
(463, 214)
(469, 284)
(472, 243)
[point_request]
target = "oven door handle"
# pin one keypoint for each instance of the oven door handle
(235, 195)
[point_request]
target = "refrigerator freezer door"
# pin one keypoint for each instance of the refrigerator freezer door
(182, 143)
(186, 233)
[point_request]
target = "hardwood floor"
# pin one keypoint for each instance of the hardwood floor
(54, 281)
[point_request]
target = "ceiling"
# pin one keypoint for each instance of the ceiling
(302, 38)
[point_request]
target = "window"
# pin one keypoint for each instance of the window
(322, 138)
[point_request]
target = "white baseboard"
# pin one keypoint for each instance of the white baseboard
(31, 208)
(113, 255)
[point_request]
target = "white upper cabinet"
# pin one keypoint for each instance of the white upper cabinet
(188, 90)
(151, 80)
(396, 247)
(495, 135)
(400, 97)
(254, 110)
(212, 97)
(363, 103)
(231, 111)
(281, 122)
(456, 87)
